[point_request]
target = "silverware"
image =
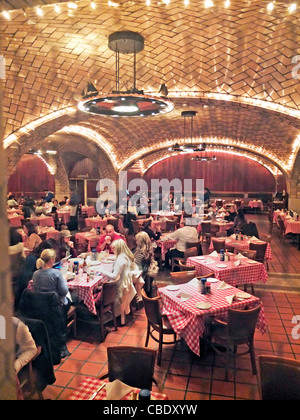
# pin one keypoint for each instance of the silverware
(96, 392)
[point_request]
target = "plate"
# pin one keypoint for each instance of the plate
(252, 262)
(212, 280)
(172, 288)
(243, 295)
(221, 265)
(203, 305)
(202, 257)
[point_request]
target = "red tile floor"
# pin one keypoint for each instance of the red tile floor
(182, 375)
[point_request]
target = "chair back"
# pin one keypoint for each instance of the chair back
(266, 238)
(260, 250)
(136, 226)
(190, 252)
(281, 224)
(194, 244)
(205, 227)
(219, 203)
(179, 277)
(132, 365)
(241, 324)
(246, 252)
(184, 267)
(109, 292)
(279, 378)
(152, 308)
(218, 244)
(238, 203)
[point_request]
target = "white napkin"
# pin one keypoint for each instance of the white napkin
(253, 238)
(209, 261)
(232, 236)
(240, 256)
(193, 282)
(236, 263)
(223, 285)
(214, 254)
(116, 390)
(184, 296)
(230, 299)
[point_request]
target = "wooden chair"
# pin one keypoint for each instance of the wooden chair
(104, 301)
(279, 378)
(260, 252)
(229, 248)
(180, 277)
(184, 267)
(266, 237)
(157, 323)
(218, 244)
(114, 222)
(189, 252)
(282, 232)
(195, 244)
(219, 203)
(239, 329)
(205, 231)
(238, 203)
(246, 252)
(72, 320)
(134, 366)
(26, 378)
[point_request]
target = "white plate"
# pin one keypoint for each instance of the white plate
(221, 265)
(172, 288)
(203, 305)
(202, 257)
(252, 262)
(212, 280)
(243, 295)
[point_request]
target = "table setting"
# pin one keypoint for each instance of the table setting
(243, 244)
(187, 308)
(97, 389)
(237, 271)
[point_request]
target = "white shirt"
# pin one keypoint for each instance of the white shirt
(182, 236)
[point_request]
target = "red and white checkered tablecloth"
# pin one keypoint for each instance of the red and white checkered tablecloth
(223, 227)
(292, 226)
(45, 221)
(189, 321)
(166, 245)
(85, 289)
(90, 385)
(15, 221)
(243, 244)
(88, 210)
(91, 238)
(277, 213)
(95, 222)
(256, 204)
(246, 273)
(64, 215)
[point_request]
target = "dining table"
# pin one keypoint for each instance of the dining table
(45, 221)
(254, 204)
(243, 244)
(64, 215)
(48, 231)
(223, 225)
(83, 286)
(15, 219)
(88, 210)
(187, 309)
(239, 270)
(90, 238)
(95, 388)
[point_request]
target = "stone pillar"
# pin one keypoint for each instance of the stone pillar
(7, 341)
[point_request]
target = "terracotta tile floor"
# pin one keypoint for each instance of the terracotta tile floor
(182, 375)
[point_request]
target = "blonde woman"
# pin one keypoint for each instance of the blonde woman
(49, 279)
(144, 251)
(126, 272)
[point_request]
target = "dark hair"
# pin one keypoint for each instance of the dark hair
(47, 244)
(14, 236)
(30, 227)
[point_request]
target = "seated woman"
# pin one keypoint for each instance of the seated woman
(49, 279)
(66, 246)
(153, 233)
(143, 256)
(55, 206)
(25, 346)
(239, 223)
(33, 239)
(128, 275)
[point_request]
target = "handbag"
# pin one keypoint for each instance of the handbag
(153, 269)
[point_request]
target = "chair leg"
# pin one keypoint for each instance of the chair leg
(148, 335)
(252, 357)
(227, 364)
(114, 317)
(160, 344)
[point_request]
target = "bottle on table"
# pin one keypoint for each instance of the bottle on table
(222, 256)
(144, 394)
(203, 286)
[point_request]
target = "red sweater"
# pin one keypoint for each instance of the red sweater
(102, 240)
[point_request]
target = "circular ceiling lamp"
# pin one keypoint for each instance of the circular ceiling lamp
(129, 103)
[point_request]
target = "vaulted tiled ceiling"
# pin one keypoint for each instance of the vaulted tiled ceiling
(236, 66)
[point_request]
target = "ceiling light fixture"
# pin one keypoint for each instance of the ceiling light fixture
(132, 102)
